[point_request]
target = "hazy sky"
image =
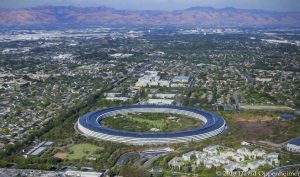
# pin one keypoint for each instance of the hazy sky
(277, 5)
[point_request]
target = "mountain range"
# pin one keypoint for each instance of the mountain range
(199, 16)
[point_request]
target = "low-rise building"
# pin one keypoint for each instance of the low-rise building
(164, 83)
(229, 168)
(39, 149)
(187, 156)
(211, 150)
(162, 95)
(70, 173)
(181, 81)
(160, 101)
(227, 154)
(272, 158)
(238, 157)
(258, 153)
(243, 167)
(294, 145)
(176, 162)
(244, 151)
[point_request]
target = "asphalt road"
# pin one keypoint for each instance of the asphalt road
(284, 170)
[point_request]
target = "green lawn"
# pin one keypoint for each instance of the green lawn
(154, 123)
(144, 122)
(79, 151)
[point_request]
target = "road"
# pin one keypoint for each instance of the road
(125, 158)
(148, 156)
(149, 162)
(289, 170)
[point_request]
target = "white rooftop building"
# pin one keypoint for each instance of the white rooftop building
(238, 157)
(160, 101)
(229, 168)
(253, 165)
(162, 95)
(187, 156)
(211, 150)
(82, 174)
(148, 80)
(294, 145)
(244, 151)
(272, 158)
(243, 167)
(229, 159)
(117, 98)
(164, 83)
(181, 79)
(176, 162)
(227, 154)
(258, 153)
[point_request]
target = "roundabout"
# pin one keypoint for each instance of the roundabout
(90, 125)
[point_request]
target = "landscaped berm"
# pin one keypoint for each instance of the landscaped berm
(150, 124)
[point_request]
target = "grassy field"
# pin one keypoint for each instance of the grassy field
(80, 151)
(144, 122)
(154, 123)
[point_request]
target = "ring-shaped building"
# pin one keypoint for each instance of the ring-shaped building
(90, 124)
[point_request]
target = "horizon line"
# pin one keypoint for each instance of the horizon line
(211, 7)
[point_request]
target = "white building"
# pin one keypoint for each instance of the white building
(162, 95)
(201, 156)
(244, 151)
(253, 165)
(110, 94)
(176, 162)
(151, 73)
(258, 153)
(227, 154)
(82, 174)
(187, 156)
(230, 168)
(117, 98)
(164, 83)
(272, 158)
(294, 145)
(244, 143)
(181, 81)
(160, 101)
(211, 150)
(238, 157)
(243, 167)
(147, 80)
(208, 164)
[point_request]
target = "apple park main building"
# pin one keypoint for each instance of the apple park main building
(90, 125)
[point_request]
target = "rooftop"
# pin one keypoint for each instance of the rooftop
(295, 141)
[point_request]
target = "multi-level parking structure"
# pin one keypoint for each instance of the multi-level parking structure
(90, 125)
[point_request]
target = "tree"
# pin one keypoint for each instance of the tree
(129, 171)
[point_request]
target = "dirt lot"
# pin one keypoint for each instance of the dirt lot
(252, 118)
(267, 130)
(278, 108)
(257, 126)
(60, 155)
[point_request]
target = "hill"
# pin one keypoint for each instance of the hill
(200, 16)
